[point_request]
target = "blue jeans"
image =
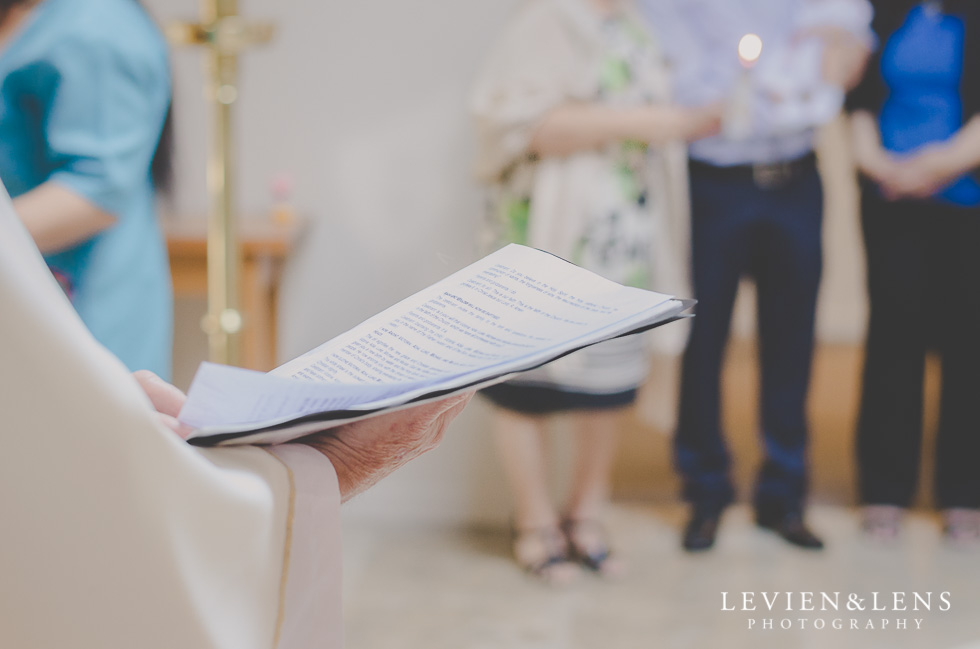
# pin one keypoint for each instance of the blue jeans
(772, 234)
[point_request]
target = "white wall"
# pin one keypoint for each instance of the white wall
(363, 103)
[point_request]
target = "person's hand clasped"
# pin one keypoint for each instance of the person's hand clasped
(920, 175)
(916, 175)
(366, 451)
(167, 400)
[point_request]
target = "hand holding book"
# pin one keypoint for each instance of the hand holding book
(514, 310)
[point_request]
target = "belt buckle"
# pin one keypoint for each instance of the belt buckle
(772, 175)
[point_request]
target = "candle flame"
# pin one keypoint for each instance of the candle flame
(749, 49)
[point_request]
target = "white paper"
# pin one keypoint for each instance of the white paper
(513, 310)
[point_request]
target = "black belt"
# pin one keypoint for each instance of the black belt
(771, 175)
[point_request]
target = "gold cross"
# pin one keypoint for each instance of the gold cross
(225, 34)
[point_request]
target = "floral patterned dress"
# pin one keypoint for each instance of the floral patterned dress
(599, 209)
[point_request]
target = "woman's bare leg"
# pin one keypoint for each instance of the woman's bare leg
(538, 542)
(597, 434)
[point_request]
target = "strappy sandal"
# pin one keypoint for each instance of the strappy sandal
(962, 526)
(882, 522)
(553, 565)
(596, 556)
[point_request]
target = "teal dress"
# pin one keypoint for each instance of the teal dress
(84, 93)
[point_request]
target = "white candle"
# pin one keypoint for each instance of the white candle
(749, 50)
(738, 117)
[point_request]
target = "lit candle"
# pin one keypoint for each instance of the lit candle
(738, 117)
(749, 50)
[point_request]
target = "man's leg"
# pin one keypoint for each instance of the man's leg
(787, 265)
(721, 218)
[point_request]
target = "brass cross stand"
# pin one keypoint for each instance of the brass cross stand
(225, 34)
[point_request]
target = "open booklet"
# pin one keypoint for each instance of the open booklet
(514, 310)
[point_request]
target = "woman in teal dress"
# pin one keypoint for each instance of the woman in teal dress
(84, 99)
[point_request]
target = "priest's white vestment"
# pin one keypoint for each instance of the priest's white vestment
(116, 534)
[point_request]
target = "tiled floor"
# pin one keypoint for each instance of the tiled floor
(431, 589)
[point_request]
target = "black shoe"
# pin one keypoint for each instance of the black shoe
(791, 527)
(699, 535)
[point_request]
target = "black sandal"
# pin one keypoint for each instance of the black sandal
(882, 523)
(961, 527)
(598, 559)
(557, 552)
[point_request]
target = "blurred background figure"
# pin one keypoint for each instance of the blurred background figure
(756, 208)
(84, 99)
(917, 144)
(571, 110)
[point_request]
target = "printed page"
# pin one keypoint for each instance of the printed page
(510, 306)
(510, 311)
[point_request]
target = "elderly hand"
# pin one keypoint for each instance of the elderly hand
(366, 451)
(362, 452)
(166, 399)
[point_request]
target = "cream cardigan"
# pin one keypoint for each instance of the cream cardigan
(548, 56)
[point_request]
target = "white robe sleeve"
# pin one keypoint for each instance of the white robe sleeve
(116, 533)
